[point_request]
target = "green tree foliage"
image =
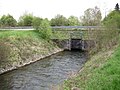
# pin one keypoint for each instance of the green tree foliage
(73, 21)
(59, 20)
(45, 29)
(8, 20)
(36, 22)
(92, 17)
(26, 20)
(113, 18)
(0, 23)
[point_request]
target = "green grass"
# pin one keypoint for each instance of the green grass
(16, 37)
(102, 72)
(18, 46)
(13, 33)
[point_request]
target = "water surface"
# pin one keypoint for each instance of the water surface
(43, 74)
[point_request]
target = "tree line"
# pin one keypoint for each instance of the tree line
(27, 19)
(91, 17)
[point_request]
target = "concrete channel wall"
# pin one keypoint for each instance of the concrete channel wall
(75, 44)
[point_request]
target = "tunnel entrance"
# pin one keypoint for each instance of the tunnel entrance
(76, 44)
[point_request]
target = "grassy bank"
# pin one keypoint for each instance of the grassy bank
(18, 48)
(19, 34)
(101, 72)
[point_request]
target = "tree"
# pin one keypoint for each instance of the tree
(92, 17)
(8, 20)
(73, 21)
(59, 20)
(36, 22)
(45, 29)
(117, 7)
(26, 20)
(112, 19)
(0, 23)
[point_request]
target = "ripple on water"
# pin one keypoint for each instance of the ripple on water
(43, 74)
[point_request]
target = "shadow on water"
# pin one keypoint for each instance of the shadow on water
(45, 73)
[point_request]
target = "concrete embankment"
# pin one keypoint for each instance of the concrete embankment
(17, 51)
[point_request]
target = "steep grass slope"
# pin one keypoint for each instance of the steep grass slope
(18, 48)
(101, 72)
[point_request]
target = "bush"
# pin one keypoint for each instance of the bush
(7, 20)
(25, 20)
(45, 29)
(36, 22)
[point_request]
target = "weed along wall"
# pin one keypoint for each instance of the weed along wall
(19, 48)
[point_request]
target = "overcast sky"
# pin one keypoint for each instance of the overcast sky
(50, 8)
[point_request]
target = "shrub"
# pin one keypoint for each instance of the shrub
(45, 29)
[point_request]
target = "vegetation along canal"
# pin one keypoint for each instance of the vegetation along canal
(43, 74)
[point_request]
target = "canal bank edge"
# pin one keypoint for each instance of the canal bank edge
(18, 52)
(91, 67)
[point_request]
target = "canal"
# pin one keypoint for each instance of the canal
(45, 73)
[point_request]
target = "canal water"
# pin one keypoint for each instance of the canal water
(44, 74)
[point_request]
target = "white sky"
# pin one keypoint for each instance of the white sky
(50, 8)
